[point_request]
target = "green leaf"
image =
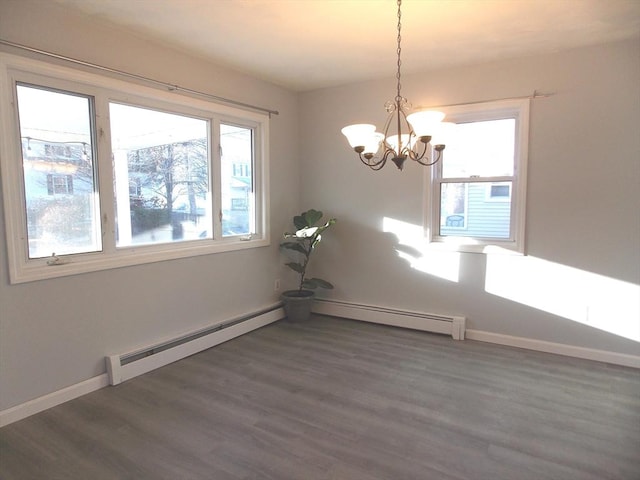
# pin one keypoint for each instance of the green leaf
(312, 216)
(294, 246)
(295, 266)
(312, 283)
(300, 222)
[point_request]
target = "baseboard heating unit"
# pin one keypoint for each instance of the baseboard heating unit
(428, 322)
(131, 364)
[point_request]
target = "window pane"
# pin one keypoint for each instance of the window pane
(237, 180)
(467, 211)
(484, 149)
(59, 175)
(161, 172)
(500, 191)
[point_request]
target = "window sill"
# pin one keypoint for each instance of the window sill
(469, 245)
(39, 269)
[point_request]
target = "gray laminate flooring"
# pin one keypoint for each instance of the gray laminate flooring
(338, 399)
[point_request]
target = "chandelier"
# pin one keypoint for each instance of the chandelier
(420, 128)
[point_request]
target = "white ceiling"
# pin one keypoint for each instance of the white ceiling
(309, 44)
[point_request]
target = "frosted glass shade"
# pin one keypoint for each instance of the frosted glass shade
(359, 135)
(392, 140)
(425, 123)
(373, 143)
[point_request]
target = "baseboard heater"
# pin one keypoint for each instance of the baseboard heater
(428, 322)
(128, 365)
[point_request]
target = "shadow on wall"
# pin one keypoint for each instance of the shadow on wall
(600, 302)
(356, 254)
(411, 246)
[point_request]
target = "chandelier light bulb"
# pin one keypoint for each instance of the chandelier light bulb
(407, 142)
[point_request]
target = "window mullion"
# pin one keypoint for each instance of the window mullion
(105, 174)
(215, 178)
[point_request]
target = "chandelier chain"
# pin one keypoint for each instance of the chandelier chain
(398, 148)
(399, 51)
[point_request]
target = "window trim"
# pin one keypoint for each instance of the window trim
(517, 109)
(105, 89)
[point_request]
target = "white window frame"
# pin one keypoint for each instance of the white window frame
(22, 269)
(517, 109)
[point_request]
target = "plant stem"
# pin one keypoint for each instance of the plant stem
(307, 257)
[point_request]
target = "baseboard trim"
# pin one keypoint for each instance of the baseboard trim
(556, 348)
(53, 399)
(427, 322)
(119, 372)
(50, 400)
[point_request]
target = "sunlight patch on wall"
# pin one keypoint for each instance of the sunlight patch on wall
(412, 247)
(595, 300)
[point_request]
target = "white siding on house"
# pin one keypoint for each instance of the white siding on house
(484, 217)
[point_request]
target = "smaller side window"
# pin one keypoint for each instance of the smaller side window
(478, 188)
(237, 182)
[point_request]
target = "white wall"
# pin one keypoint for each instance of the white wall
(582, 212)
(55, 333)
(583, 200)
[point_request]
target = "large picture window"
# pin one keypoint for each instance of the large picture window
(99, 173)
(477, 190)
(165, 156)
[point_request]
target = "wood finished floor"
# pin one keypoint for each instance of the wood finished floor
(338, 399)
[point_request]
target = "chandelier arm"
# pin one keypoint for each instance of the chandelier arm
(375, 165)
(390, 152)
(429, 163)
(416, 155)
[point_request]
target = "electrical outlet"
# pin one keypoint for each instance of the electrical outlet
(276, 285)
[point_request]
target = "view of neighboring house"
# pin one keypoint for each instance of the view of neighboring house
(162, 191)
(59, 185)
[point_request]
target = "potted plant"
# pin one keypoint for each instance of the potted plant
(302, 243)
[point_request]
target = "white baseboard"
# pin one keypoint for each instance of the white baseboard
(53, 399)
(24, 410)
(557, 348)
(427, 322)
(118, 372)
